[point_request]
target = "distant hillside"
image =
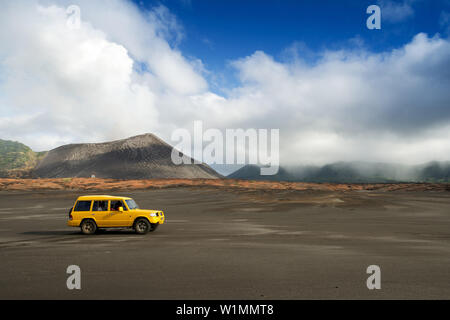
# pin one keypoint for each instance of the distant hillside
(15, 156)
(353, 172)
(146, 157)
(140, 157)
(252, 172)
(435, 172)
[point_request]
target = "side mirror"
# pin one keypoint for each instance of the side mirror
(120, 209)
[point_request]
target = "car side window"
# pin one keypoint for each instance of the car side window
(100, 206)
(83, 206)
(115, 204)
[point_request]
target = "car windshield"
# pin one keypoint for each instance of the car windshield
(132, 204)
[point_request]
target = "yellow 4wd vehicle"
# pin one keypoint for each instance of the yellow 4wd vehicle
(93, 212)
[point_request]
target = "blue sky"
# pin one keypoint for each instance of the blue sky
(335, 90)
(220, 31)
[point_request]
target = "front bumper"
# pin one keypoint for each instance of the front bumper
(159, 219)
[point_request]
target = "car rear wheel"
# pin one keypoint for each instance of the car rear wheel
(88, 226)
(142, 226)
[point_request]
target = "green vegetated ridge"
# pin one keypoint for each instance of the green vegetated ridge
(15, 155)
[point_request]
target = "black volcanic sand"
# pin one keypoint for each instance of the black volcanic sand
(232, 245)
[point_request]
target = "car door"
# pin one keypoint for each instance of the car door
(117, 218)
(101, 213)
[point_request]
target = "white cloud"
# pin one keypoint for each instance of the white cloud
(355, 104)
(122, 74)
(79, 84)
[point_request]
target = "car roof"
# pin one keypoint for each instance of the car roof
(102, 197)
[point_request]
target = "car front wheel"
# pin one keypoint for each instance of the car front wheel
(142, 226)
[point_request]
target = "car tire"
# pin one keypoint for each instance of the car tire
(88, 226)
(142, 226)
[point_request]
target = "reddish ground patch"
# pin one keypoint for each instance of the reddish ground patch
(111, 184)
